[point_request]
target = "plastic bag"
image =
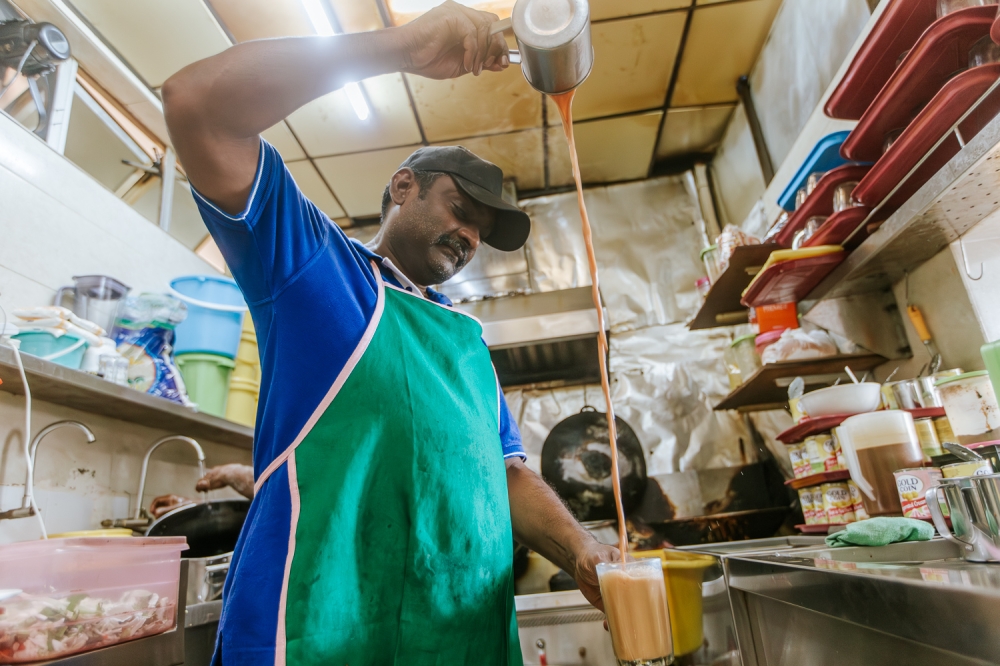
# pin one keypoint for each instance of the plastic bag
(797, 344)
(144, 334)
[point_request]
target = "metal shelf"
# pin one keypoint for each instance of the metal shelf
(763, 390)
(71, 388)
(953, 201)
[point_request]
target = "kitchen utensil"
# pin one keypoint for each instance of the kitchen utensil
(917, 319)
(850, 373)
(971, 406)
(206, 578)
(874, 446)
(844, 399)
(553, 40)
(95, 298)
(974, 518)
(576, 461)
(962, 452)
(211, 528)
(635, 602)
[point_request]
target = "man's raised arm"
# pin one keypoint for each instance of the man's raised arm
(217, 107)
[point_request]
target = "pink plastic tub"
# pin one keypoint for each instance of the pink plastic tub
(63, 596)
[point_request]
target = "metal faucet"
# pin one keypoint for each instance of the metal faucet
(29, 477)
(145, 465)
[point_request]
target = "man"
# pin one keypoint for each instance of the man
(390, 481)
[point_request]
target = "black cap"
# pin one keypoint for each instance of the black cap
(482, 181)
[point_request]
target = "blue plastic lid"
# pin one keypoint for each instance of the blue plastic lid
(824, 156)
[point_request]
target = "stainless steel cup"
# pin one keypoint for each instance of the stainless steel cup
(553, 37)
(974, 508)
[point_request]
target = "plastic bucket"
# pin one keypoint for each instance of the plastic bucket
(242, 407)
(66, 350)
(206, 377)
(682, 574)
(215, 315)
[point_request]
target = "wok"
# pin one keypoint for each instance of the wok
(212, 528)
(576, 461)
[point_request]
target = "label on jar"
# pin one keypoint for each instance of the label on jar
(913, 485)
(970, 468)
(856, 501)
(807, 498)
(837, 503)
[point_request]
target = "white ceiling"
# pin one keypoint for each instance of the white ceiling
(651, 56)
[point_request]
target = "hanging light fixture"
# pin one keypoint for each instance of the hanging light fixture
(321, 23)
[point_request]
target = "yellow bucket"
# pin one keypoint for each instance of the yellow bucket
(247, 356)
(682, 574)
(242, 405)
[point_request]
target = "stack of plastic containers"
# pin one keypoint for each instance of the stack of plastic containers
(244, 387)
(208, 340)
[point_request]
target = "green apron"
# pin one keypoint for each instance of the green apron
(401, 545)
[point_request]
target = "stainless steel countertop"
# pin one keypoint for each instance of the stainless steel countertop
(920, 593)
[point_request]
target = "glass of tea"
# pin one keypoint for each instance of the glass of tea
(635, 602)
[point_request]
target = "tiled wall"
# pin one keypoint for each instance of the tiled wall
(57, 222)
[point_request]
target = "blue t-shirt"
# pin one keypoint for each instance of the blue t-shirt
(311, 292)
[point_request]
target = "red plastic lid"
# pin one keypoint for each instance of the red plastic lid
(790, 280)
(979, 445)
(953, 100)
(820, 202)
(701, 281)
(995, 30)
(839, 226)
(940, 52)
(897, 30)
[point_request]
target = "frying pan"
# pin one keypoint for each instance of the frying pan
(576, 461)
(211, 528)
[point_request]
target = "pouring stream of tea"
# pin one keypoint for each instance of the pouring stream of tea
(564, 101)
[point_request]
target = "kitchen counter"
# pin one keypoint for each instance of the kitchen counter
(912, 603)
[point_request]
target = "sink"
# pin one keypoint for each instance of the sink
(910, 552)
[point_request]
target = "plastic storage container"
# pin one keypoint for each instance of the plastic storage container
(242, 404)
(745, 355)
(77, 595)
(215, 315)
(66, 350)
(206, 377)
(971, 406)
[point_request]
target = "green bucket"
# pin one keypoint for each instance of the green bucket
(206, 377)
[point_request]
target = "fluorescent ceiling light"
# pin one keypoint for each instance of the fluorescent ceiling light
(404, 11)
(321, 23)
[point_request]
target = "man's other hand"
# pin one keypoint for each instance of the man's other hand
(237, 477)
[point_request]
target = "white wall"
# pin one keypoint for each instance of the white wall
(982, 253)
(57, 222)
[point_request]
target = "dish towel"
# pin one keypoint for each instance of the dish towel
(881, 532)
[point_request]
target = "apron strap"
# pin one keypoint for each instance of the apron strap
(352, 362)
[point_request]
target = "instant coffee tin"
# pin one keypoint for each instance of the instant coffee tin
(944, 432)
(967, 468)
(837, 503)
(818, 448)
(927, 434)
(808, 501)
(800, 466)
(856, 501)
(912, 485)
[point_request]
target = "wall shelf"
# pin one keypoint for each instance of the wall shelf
(762, 390)
(948, 205)
(818, 479)
(71, 388)
(722, 304)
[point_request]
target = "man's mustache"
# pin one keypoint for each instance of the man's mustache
(460, 247)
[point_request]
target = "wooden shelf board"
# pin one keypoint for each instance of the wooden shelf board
(722, 304)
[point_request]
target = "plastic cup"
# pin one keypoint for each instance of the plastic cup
(635, 602)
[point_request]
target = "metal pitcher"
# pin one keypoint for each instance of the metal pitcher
(95, 298)
(553, 40)
(974, 504)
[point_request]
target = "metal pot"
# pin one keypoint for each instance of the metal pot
(553, 37)
(206, 578)
(576, 461)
